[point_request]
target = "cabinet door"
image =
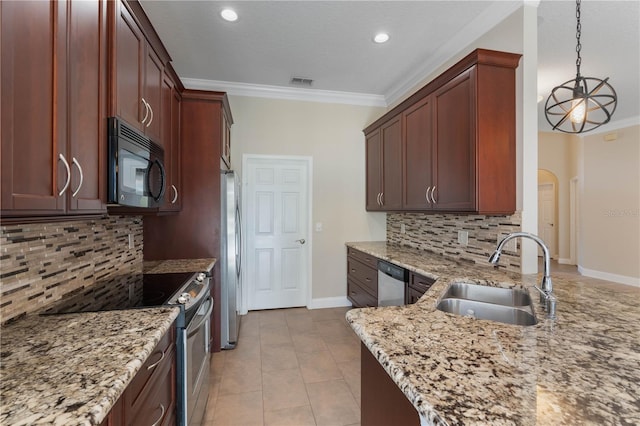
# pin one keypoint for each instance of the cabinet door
(455, 122)
(170, 138)
(374, 171)
(130, 50)
(418, 156)
(153, 80)
(392, 165)
(33, 109)
(87, 105)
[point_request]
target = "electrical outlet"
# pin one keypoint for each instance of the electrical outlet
(511, 246)
(132, 243)
(463, 238)
(403, 228)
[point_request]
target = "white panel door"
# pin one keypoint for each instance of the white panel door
(546, 215)
(277, 226)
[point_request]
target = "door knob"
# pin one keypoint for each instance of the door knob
(301, 241)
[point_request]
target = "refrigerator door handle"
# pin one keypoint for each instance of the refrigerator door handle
(238, 242)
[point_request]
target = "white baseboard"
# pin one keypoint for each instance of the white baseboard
(621, 279)
(329, 302)
(564, 261)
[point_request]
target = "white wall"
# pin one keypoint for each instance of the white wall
(332, 135)
(610, 206)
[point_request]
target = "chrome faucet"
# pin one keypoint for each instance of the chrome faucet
(546, 287)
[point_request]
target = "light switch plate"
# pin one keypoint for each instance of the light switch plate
(318, 226)
(132, 243)
(463, 238)
(511, 246)
(403, 228)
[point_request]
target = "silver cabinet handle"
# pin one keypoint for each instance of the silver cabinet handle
(426, 194)
(156, 363)
(151, 118)
(382, 198)
(432, 197)
(301, 241)
(157, 422)
(146, 110)
(175, 191)
(77, 164)
(66, 166)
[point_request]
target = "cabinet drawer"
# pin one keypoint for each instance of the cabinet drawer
(365, 275)
(358, 296)
(412, 295)
(156, 404)
(365, 258)
(157, 360)
(420, 283)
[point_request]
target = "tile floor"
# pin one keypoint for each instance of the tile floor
(291, 367)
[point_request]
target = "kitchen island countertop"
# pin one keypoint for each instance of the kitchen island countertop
(581, 368)
(70, 369)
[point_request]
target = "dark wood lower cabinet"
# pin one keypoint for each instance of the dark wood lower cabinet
(150, 398)
(383, 403)
(362, 279)
(416, 287)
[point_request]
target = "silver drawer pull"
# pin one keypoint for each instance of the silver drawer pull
(157, 422)
(156, 363)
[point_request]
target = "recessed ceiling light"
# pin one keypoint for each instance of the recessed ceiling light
(229, 15)
(381, 38)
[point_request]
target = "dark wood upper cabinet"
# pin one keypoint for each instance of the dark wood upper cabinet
(418, 156)
(138, 72)
(457, 141)
(384, 167)
(170, 138)
(53, 107)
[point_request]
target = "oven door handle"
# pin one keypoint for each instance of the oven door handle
(193, 329)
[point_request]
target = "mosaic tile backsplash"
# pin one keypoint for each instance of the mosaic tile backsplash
(438, 233)
(43, 262)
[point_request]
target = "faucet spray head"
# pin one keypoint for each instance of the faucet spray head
(495, 257)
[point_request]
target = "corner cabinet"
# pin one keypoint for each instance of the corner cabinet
(456, 141)
(53, 117)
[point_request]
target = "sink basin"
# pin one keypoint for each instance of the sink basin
(481, 293)
(489, 311)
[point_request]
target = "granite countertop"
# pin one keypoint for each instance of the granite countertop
(581, 368)
(71, 369)
(178, 265)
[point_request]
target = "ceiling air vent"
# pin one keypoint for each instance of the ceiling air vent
(300, 81)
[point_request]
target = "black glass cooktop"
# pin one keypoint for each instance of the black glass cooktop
(122, 292)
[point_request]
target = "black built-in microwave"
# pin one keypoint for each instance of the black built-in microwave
(136, 167)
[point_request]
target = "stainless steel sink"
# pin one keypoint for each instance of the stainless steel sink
(489, 311)
(481, 293)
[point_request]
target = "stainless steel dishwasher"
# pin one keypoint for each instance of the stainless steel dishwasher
(392, 280)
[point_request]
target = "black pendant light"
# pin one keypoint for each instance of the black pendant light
(582, 104)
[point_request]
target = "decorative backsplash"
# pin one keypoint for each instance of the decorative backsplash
(43, 262)
(438, 233)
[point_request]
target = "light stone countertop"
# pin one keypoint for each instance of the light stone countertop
(70, 369)
(178, 265)
(581, 368)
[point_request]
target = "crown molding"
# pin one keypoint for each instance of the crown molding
(488, 19)
(288, 93)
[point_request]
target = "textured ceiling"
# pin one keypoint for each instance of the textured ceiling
(330, 42)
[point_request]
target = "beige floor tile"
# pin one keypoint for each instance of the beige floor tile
(351, 373)
(274, 334)
(211, 403)
(283, 389)
(318, 366)
(246, 354)
(332, 403)
(297, 416)
(241, 379)
(272, 317)
(308, 343)
(301, 324)
(279, 357)
(244, 409)
(344, 350)
(334, 329)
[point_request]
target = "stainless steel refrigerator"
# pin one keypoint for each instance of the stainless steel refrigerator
(230, 258)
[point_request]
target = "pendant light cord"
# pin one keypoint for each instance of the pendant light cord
(578, 45)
